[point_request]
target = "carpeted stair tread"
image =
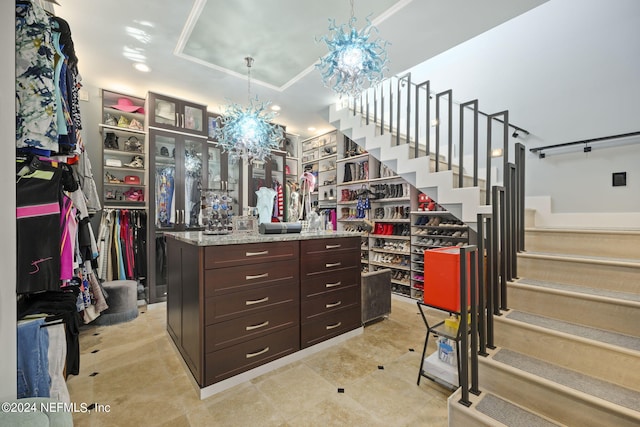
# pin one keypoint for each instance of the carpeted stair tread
(607, 337)
(572, 379)
(630, 262)
(581, 289)
(509, 414)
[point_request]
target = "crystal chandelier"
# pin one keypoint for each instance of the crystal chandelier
(247, 133)
(354, 61)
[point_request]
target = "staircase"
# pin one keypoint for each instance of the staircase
(568, 349)
(464, 203)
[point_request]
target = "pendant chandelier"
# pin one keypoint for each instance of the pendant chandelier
(354, 62)
(247, 133)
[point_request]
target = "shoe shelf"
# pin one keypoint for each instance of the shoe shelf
(353, 158)
(432, 229)
(124, 148)
(319, 157)
(391, 200)
(358, 182)
(390, 265)
(390, 251)
(390, 236)
(120, 130)
(123, 169)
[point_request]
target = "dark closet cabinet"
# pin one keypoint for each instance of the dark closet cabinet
(223, 175)
(170, 113)
(178, 172)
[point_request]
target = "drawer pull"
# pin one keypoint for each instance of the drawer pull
(257, 353)
(333, 264)
(335, 304)
(261, 325)
(257, 276)
(332, 246)
(256, 301)
(256, 253)
(332, 285)
(335, 325)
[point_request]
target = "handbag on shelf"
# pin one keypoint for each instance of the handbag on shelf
(133, 144)
(111, 141)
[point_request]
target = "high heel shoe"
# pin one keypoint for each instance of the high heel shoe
(111, 179)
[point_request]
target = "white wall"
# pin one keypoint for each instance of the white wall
(566, 71)
(8, 211)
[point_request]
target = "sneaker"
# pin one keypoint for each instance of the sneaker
(136, 162)
(123, 122)
(136, 125)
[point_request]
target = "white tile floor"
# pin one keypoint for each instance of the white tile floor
(141, 378)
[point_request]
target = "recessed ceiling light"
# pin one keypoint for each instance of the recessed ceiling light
(311, 129)
(275, 107)
(141, 67)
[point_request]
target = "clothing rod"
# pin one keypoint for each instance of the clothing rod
(585, 141)
(46, 325)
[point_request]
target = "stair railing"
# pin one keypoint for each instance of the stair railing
(402, 108)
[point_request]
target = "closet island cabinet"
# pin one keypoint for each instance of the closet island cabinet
(237, 302)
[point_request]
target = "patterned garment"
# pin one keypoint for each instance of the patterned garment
(35, 88)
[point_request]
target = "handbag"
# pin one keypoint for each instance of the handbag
(111, 141)
(132, 179)
(133, 144)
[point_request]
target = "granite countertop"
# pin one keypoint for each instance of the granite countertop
(199, 238)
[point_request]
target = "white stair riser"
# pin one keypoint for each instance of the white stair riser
(604, 362)
(465, 201)
(558, 404)
(587, 243)
(599, 276)
(597, 313)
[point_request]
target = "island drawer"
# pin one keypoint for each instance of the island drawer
(231, 361)
(259, 298)
(231, 332)
(329, 302)
(232, 279)
(250, 253)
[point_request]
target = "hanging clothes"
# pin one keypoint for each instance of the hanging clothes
(61, 303)
(57, 353)
(122, 245)
(68, 227)
(164, 195)
(33, 360)
(38, 203)
(36, 119)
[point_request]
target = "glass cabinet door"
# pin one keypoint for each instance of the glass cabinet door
(164, 111)
(165, 176)
(192, 164)
(214, 168)
(233, 185)
(193, 118)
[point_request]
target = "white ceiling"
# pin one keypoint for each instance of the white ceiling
(195, 49)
